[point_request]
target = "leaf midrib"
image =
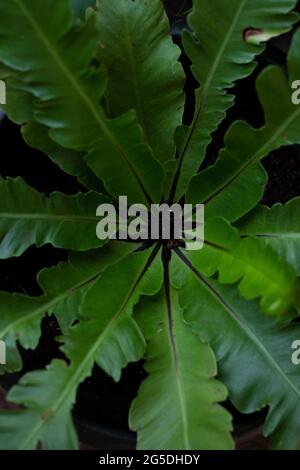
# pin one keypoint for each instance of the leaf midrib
(43, 216)
(246, 261)
(252, 335)
(209, 80)
(243, 325)
(174, 356)
(88, 102)
(77, 372)
(266, 148)
(182, 398)
(135, 83)
(75, 375)
(219, 56)
(278, 235)
(55, 300)
(65, 69)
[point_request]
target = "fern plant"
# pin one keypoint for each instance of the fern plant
(102, 95)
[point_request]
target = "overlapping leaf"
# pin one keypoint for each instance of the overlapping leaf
(63, 286)
(19, 103)
(108, 336)
(72, 162)
(261, 273)
(19, 108)
(237, 170)
(143, 69)
(226, 36)
(108, 313)
(48, 396)
(68, 91)
(279, 226)
(253, 352)
(177, 404)
(30, 218)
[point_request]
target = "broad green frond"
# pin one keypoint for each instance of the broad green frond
(254, 355)
(225, 37)
(28, 218)
(177, 404)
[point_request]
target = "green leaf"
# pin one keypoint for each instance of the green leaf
(254, 355)
(30, 218)
(108, 336)
(49, 396)
(76, 277)
(68, 91)
(64, 287)
(279, 226)
(18, 105)
(260, 272)
(237, 170)
(72, 162)
(177, 404)
(19, 109)
(143, 69)
(293, 56)
(226, 36)
(107, 313)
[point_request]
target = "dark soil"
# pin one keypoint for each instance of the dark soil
(284, 168)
